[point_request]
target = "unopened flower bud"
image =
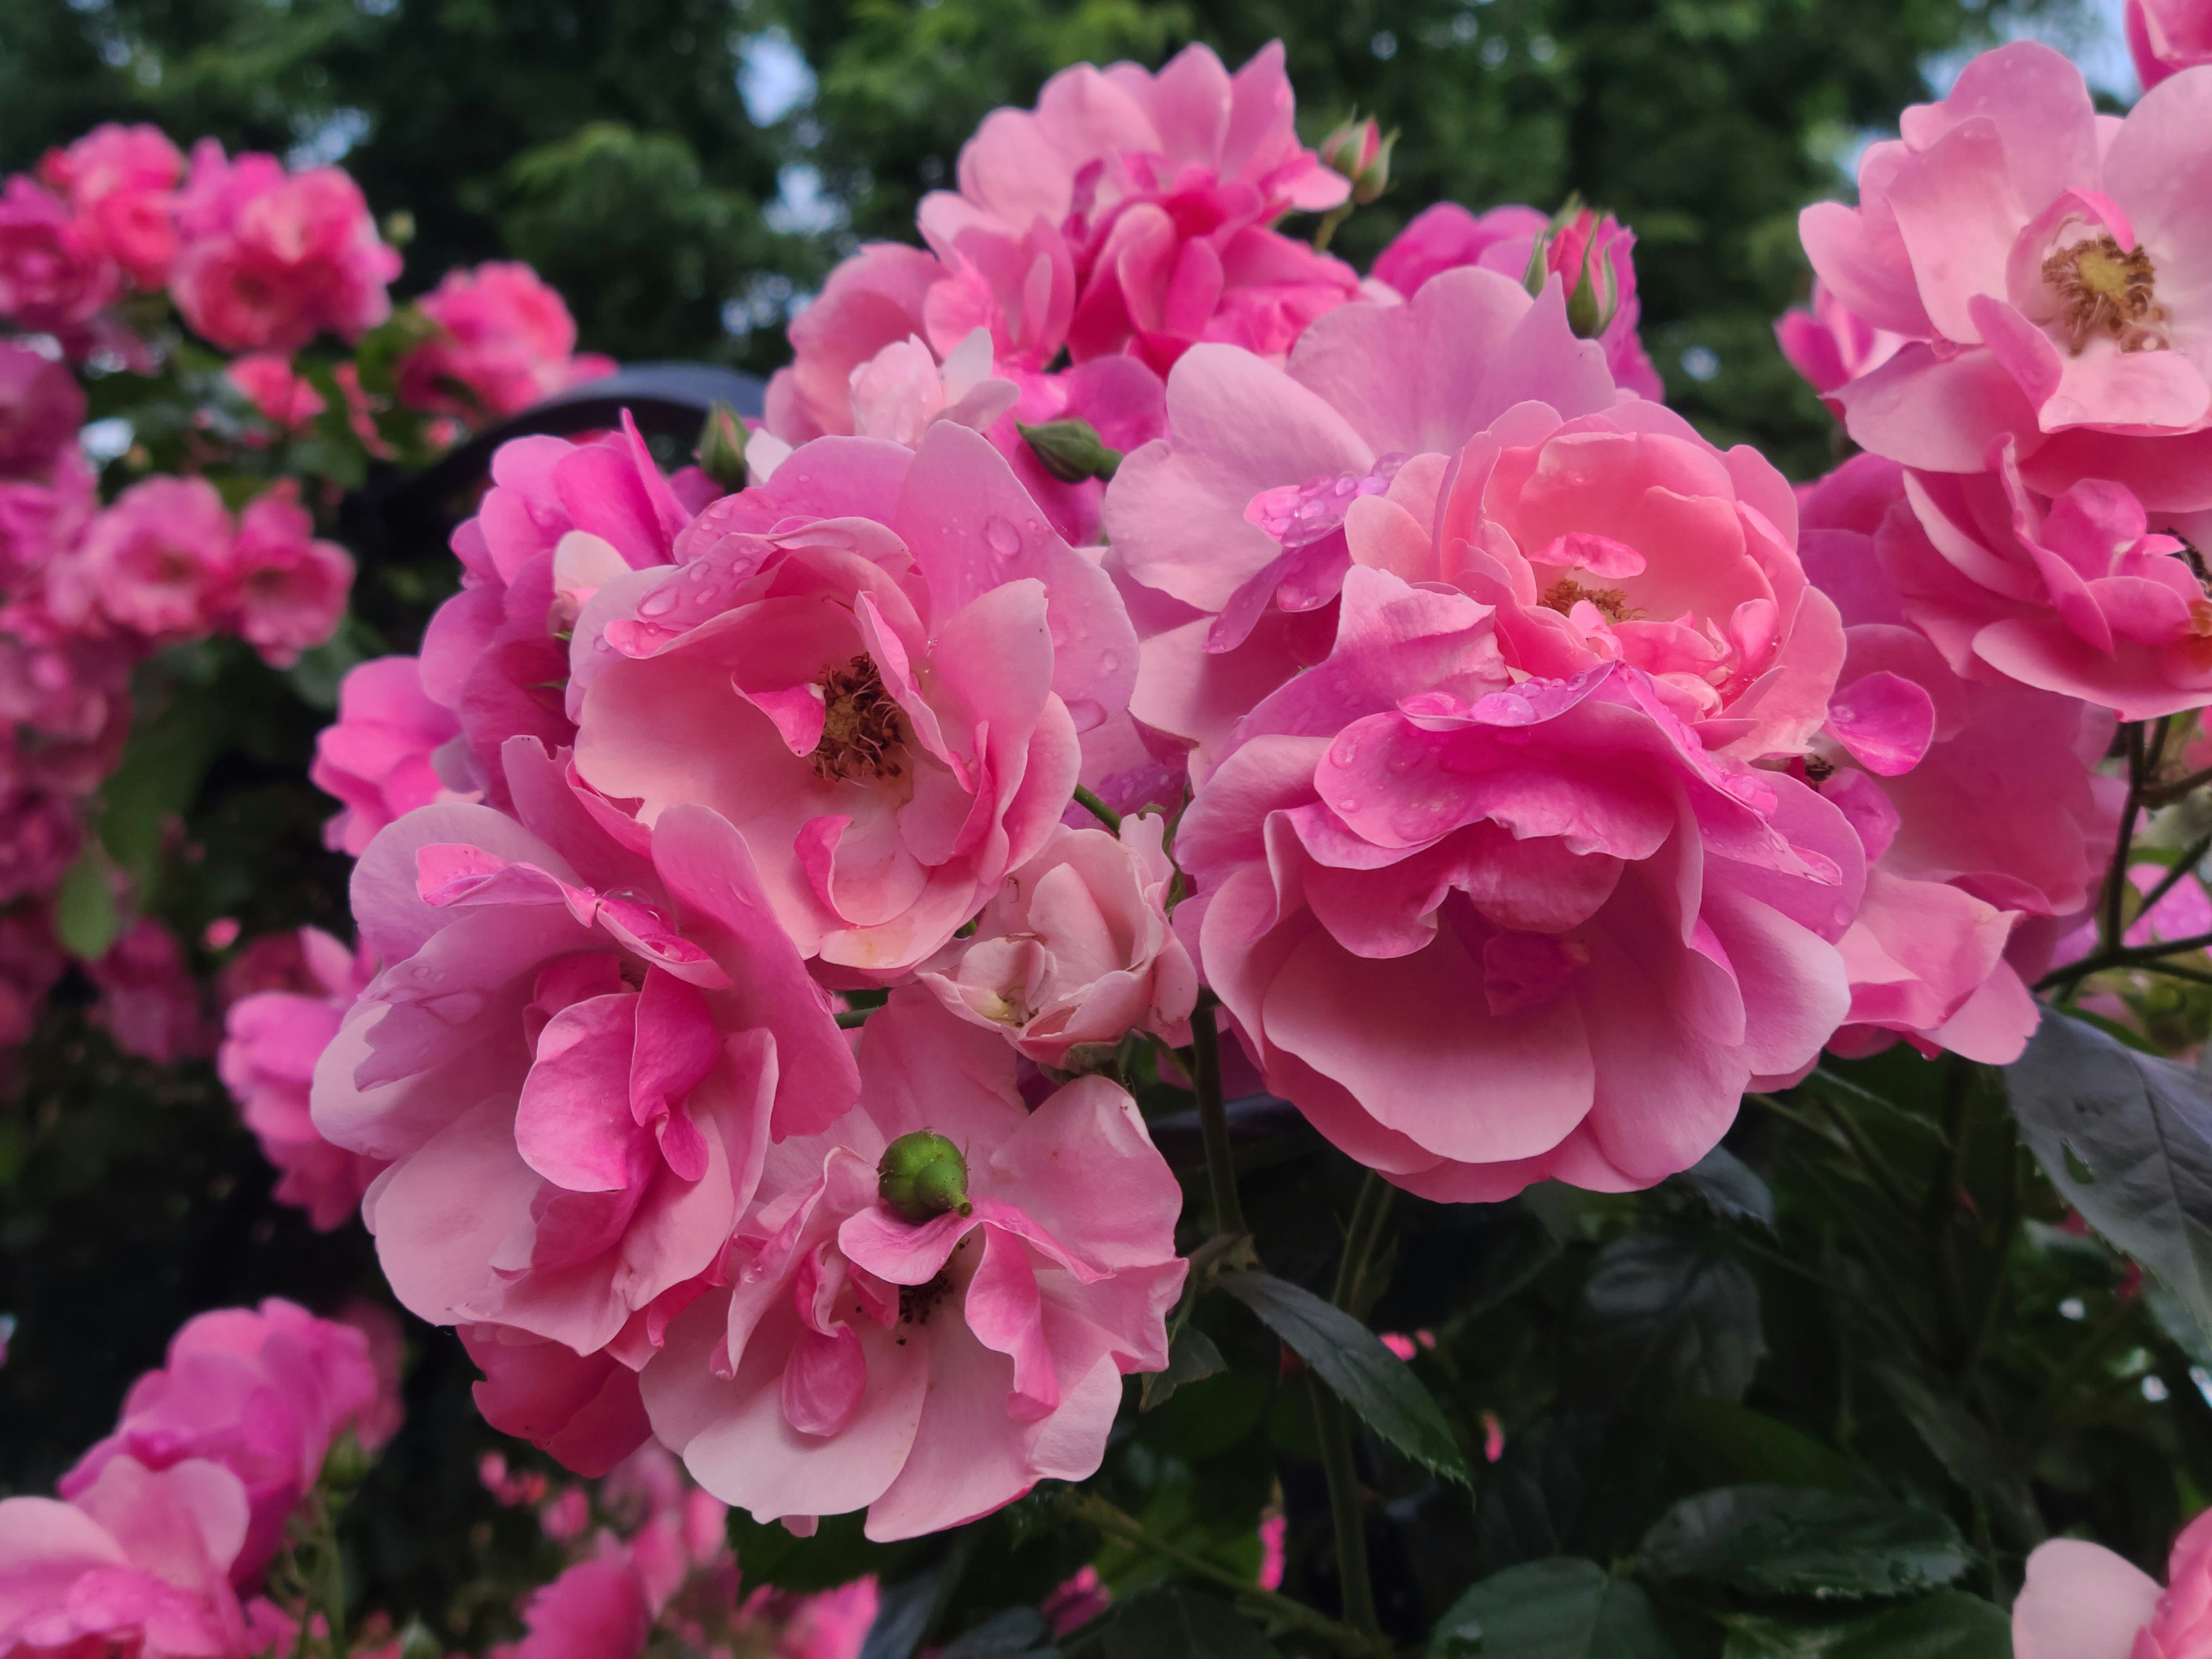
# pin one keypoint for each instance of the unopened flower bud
(721, 452)
(1361, 152)
(346, 1465)
(1071, 450)
(1577, 247)
(922, 1176)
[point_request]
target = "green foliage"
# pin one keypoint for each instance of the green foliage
(1786, 1541)
(1557, 1609)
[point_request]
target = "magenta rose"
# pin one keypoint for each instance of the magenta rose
(287, 588)
(121, 183)
(1830, 346)
(155, 563)
(381, 756)
(2165, 37)
(54, 275)
(505, 341)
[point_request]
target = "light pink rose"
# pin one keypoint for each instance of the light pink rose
(381, 756)
(581, 1409)
(41, 407)
(1446, 236)
(54, 275)
(876, 666)
(154, 564)
(2082, 1601)
(532, 971)
(149, 1000)
(930, 1373)
(39, 835)
(270, 259)
(505, 341)
(2167, 36)
(121, 183)
(2047, 266)
(1830, 346)
(1484, 930)
(289, 400)
(873, 300)
(262, 1392)
(286, 589)
(140, 1562)
(1074, 951)
(271, 1041)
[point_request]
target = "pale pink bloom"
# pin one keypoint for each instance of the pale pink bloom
(30, 962)
(872, 301)
(2082, 1601)
(381, 756)
(2167, 36)
(121, 181)
(582, 1409)
(595, 1610)
(141, 1562)
(155, 563)
(1830, 346)
(892, 748)
(39, 835)
(902, 390)
(505, 341)
(287, 588)
(270, 259)
(41, 407)
(54, 275)
(2049, 268)
(1074, 951)
(1589, 247)
(1485, 930)
(532, 972)
(289, 400)
(271, 1041)
(929, 1373)
(264, 1393)
(149, 1001)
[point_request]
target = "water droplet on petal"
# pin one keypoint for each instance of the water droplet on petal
(1005, 541)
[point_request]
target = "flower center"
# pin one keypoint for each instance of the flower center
(863, 736)
(1565, 594)
(2103, 290)
(918, 1302)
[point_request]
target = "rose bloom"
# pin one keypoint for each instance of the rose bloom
(155, 563)
(876, 666)
(41, 516)
(505, 341)
(288, 400)
(121, 183)
(581, 1409)
(2047, 267)
(2082, 1601)
(264, 1393)
(381, 756)
(1074, 951)
(270, 259)
(2167, 36)
(39, 835)
(68, 700)
(287, 588)
(54, 275)
(41, 407)
(1830, 346)
(930, 1370)
(149, 1001)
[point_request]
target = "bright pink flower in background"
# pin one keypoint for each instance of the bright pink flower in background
(582, 1409)
(2167, 36)
(41, 516)
(66, 703)
(1075, 951)
(2082, 1601)
(39, 835)
(505, 341)
(264, 1393)
(121, 181)
(54, 275)
(1425, 889)
(149, 1001)
(931, 1373)
(2049, 269)
(41, 407)
(286, 589)
(1079, 1601)
(1830, 346)
(154, 563)
(271, 1041)
(594, 1610)
(532, 972)
(288, 399)
(876, 666)
(270, 259)
(381, 756)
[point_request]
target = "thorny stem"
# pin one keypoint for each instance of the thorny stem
(1098, 808)
(1213, 1117)
(1361, 1237)
(1333, 1428)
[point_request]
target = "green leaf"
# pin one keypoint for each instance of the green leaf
(1555, 1609)
(315, 676)
(1947, 1625)
(1174, 1623)
(1017, 1633)
(1352, 1359)
(1793, 1540)
(1191, 1359)
(2127, 1137)
(1662, 1315)
(1731, 1188)
(86, 921)
(1976, 1459)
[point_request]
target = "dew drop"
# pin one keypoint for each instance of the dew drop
(1005, 541)
(658, 603)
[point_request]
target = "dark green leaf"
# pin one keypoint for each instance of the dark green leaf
(1731, 1188)
(1175, 1622)
(1720, 1443)
(838, 1553)
(2127, 1139)
(86, 921)
(1017, 1633)
(1533, 1500)
(1352, 1359)
(1947, 1625)
(1556, 1609)
(1662, 1315)
(1193, 1357)
(1791, 1540)
(1976, 1459)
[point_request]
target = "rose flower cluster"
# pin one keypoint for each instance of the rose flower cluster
(1135, 624)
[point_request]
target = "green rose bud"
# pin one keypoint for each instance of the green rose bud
(721, 449)
(921, 1176)
(1071, 450)
(346, 1465)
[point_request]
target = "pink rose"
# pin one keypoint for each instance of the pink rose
(30, 964)
(930, 1367)
(39, 835)
(155, 563)
(505, 341)
(288, 400)
(876, 666)
(1446, 236)
(262, 1393)
(1485, 929)
(148, 1002)
(271, 1041)
(41, 407)
(581, 1409)
(121, 183)
(2082, 1601)
(141, 1562)
(54, 275)
(595, 1610)
(2044, 265)
(1074, 951)
(382, 755)
(286, 589)
(533, 970)
(68, 700)
(1830, 346)
(42, 516)
(2167, 36)
(270, 259)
